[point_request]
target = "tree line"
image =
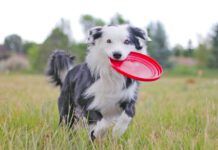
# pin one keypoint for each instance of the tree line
(206, 53)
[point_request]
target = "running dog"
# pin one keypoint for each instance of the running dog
(93, 89)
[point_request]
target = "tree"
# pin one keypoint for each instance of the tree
(118, 19)
(158, 47)
(89, 21)
(14, 43)
(201, 54)
(190, 48)
(33, 56)
(178, 50)
(56, 40)
(79, 50)
(213, 58)
(64, 26)
(27, 46)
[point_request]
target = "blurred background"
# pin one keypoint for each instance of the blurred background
(184, 33)
(179, 111)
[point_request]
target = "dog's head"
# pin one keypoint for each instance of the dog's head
(118, 41)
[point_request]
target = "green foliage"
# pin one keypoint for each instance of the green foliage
(14, 43)
(33, 55)
(158, 47)
(186, 53)
(178, 50)
(56, 40)
(61, 38)
(202, 53)
(190, 49)
(213, 58)
(88, 21)
(64, 26)
(79, 50)
(27, 46)
(181, 70)
(195, 71)
(118, 19)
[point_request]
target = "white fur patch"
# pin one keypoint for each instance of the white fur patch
(63, 73)
(101, 128)
(121, 125)
(108, 90)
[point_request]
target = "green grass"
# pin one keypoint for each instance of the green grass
(171, 113)
(186, 71)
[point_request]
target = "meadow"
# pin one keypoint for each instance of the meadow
(171, 113)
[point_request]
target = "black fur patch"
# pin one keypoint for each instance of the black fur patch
(128, 82)
(93, 116)
(98, 29)
(59, 61)
(80, 78)
(92, 136)
(134, 34)
(85, 102)
(76, 82)
(97, 35)
(94, 34)
(128, 107)
(123, 105)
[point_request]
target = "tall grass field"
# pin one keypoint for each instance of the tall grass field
(171, 113)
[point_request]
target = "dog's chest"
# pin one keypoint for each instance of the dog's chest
(108, 94)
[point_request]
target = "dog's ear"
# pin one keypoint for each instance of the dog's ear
(94, 34)
(147, 37)
(140, 33)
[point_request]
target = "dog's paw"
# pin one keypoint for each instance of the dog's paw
(92, 136)
(97, 134)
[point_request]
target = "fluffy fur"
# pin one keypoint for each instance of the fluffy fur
(93, 89)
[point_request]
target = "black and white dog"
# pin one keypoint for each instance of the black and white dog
(93, 89)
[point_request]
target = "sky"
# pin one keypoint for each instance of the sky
(33, 20)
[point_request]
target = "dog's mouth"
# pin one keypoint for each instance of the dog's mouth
(115, 59)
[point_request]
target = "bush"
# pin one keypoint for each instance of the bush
(182, 70)
(14, 63)
(79, 50)
(33, 55)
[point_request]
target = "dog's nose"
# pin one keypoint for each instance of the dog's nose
(117, 55)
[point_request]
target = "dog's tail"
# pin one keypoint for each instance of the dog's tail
(58, 65)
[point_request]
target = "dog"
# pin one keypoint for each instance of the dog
(93, 89)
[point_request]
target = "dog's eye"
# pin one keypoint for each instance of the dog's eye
(109, 41)
(127, 42)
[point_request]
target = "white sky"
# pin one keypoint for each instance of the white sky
(34, 19)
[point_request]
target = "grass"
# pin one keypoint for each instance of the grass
(187, 71)
(171, 113)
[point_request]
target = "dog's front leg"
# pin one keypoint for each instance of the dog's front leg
(124, 119)
(99, 130)
(97, 124)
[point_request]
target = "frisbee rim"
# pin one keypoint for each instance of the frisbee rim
(140, 58)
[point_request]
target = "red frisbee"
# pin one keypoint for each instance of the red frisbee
(139, 67)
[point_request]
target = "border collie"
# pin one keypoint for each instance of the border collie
(93, 89)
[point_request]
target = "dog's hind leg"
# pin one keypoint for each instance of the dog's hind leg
(66, 106)
(66, 112)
